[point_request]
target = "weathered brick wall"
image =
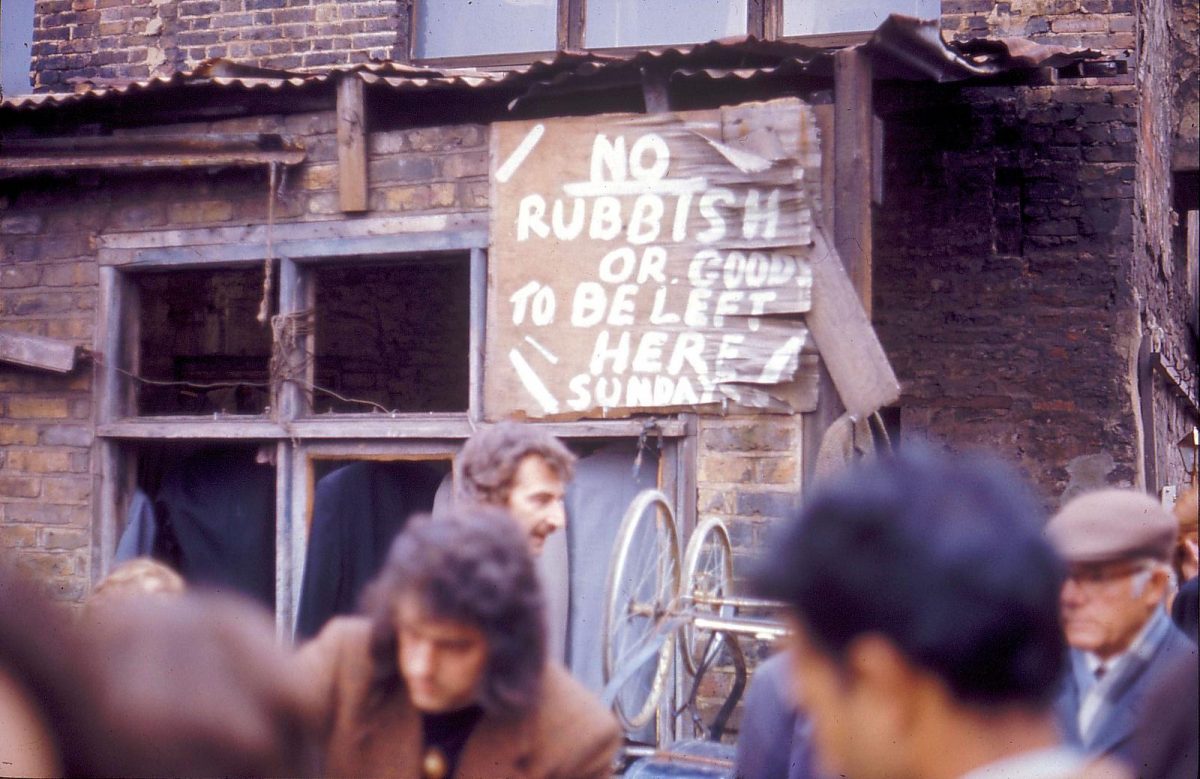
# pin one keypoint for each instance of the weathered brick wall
(1002, 275)
(1185, 73)
(1159, 265)
(1106, 25)
(134, 39)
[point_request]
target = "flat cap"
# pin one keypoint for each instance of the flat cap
(1112, 525)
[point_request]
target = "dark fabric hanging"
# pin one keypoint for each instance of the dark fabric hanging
(216, 521)
(357, 511)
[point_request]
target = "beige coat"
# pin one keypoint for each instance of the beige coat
(568, 735)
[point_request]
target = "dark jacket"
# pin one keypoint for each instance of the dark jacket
(1125, 691)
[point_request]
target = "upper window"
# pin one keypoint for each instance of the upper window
(654, 22)
(811, 17)
(454, 28)
(16, 35)
(487, 28)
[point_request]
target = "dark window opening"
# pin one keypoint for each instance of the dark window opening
(393, 337)
(201, 348)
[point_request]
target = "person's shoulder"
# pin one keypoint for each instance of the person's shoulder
(595, 734)
(565, 699)
(339, 636)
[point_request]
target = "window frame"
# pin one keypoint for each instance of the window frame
(764, 20)
(300, 438)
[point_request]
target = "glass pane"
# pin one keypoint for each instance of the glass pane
(452, 28)
(813, 17)
(651, 22)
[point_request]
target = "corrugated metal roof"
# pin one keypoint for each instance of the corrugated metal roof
(901, 48)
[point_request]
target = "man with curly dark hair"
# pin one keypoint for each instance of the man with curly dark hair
(520, 468)
(446, 675)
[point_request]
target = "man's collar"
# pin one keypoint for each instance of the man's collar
(1142, 646)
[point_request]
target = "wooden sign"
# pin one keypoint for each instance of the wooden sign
(645, 262)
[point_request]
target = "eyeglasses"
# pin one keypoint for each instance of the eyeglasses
(1095, 575)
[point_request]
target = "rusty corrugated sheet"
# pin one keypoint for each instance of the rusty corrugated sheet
(901, 48)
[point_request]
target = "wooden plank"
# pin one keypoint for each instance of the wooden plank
(106, 488)
(655, 90)
(853, 153)
(291, 539)
(316, 229)
(386, 427)
(224, 428)
(35, 351)
(478, 306)
(296, 294)
(352, 144)
(849, 347)
(327, 250)
(13, 166)
(383, 450)
(144, 141)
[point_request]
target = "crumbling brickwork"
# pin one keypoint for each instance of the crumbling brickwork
(1105, 25)
(1002, 294)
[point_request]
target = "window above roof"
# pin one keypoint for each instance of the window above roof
(503, 30)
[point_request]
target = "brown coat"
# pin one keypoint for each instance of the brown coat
(568, 735)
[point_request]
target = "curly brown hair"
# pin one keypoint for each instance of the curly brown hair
(488, 463)
(471, 566)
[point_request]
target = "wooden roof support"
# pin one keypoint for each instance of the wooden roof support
(854, 149)
(352, 144)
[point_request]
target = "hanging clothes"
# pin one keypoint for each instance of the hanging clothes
(141, 530)
(219, 507)
(357, 510)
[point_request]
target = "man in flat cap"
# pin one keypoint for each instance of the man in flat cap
(1117, 544)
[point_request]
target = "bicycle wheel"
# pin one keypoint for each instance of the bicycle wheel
(707, 583)
(641, 593)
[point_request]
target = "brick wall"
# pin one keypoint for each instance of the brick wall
(1106, 25)
(135, 39)
(1002, 287)
(1159, 264)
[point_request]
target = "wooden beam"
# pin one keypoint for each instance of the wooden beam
(382, 427)
(34, 351)
(328, 250)
(854, 175)
(478, 305)
(655, 90)
(849, 347)
(53, 163)
(352, 144)
(332, 238)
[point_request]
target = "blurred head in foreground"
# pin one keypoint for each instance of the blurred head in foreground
(924, 603)
(458, 615)
(192, 685)
(137, 577)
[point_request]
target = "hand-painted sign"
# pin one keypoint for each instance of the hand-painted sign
(650, 261)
